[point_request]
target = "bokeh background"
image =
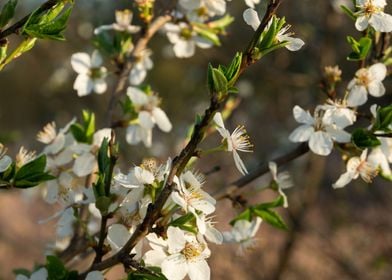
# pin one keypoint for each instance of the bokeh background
(342, 234)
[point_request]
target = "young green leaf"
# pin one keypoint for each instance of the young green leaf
(363, 139)
(271, 217)
(7, 12)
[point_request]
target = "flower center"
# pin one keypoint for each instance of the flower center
(369, 8)
(363, 77)
(96, 73)
(186, 33)
(192, 250)
(240, 140)
(367, 171)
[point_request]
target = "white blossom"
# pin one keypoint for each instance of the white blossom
(149, 114)
(213, 7)
(185, 39)
(282, 180)
(180, 255)
(91, 75)
(243, 233)
(251, 17)
(237, 141)
(122, 24)
(367, 80)
(357, 166)
(40, 274)
(139, 70)
(319, 134)
(337, 113)
(371, 12)
(5, 161)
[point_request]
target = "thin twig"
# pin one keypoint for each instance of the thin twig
(180, 161)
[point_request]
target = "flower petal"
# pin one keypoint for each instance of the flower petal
(357, 96)
(175, 267)
(302, 133)
(161, 119)
(118, 235)
(81, 63)
(199, 270)
(321, 143)
(251, 18)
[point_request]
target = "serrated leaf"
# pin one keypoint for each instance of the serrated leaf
(7, 12)
(363, 139)
(271, 217)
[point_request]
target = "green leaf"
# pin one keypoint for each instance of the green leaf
(279, 202)
(245, 215)
(21, 271)
(232, 71)
(56, 269)
(23, 47)
(103, 203)
(84, 132)
(271, 217)
(363, 139)
(32, 168)
(267, 38)
(360, 48)
(7, 12)
(153, 274)
(183, 220)
(383, 119)
(103, 158)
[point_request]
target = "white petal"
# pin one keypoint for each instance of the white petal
(96, 59)
(83, 85)
(177, 198)
(361, 23)
(199, 270)
(144, 176)
(118, 235)
(294, 44)
(154, 257)
(202, 42)
(339, 135)
(378, 71)
(40, 274)
(381, 22)
(133, 135)
(81, 63)
(137, 96)
(175, 267)
(321, 143)
(95, 275)
(251, 18)
(84, 165)
(137, 75)
(146, 120)
(5, 162)
(357, 96)
(175, 239)
(216, 7)
(239, 163)
(184, 49)
(302, 116)
(147, 137)
(161, 119)
(301, 133)
(343, 180)
(213, 235)
(219, 120)
(190, 4)
(376, 89)
(100, 135)
(100, 86)
(203, 206)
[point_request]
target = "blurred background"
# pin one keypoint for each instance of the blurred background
(342, 234)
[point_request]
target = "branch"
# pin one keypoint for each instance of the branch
(15, 28)
(136, 52)
(180, 161)
(261, 170)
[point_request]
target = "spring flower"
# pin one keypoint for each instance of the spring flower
(282, 180)
(180, 255)
(95, 275)
(149, 115)
(367, 80)
(192, 198)
(5, 161)
(185, 39)
(251, 17)
(54, 140)
(40, 274)
(337, 113)
(237, 141)
(139, 70)
(357, 166)
(252, 3)
(122, 24)
(319, 134)
(243, 233)
(371, 12)
(24, 156)
(91, 75)
(212, 7)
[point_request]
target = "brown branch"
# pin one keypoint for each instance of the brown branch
(261, 170)
(126, 69)
(180, 161)
(15, 28)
